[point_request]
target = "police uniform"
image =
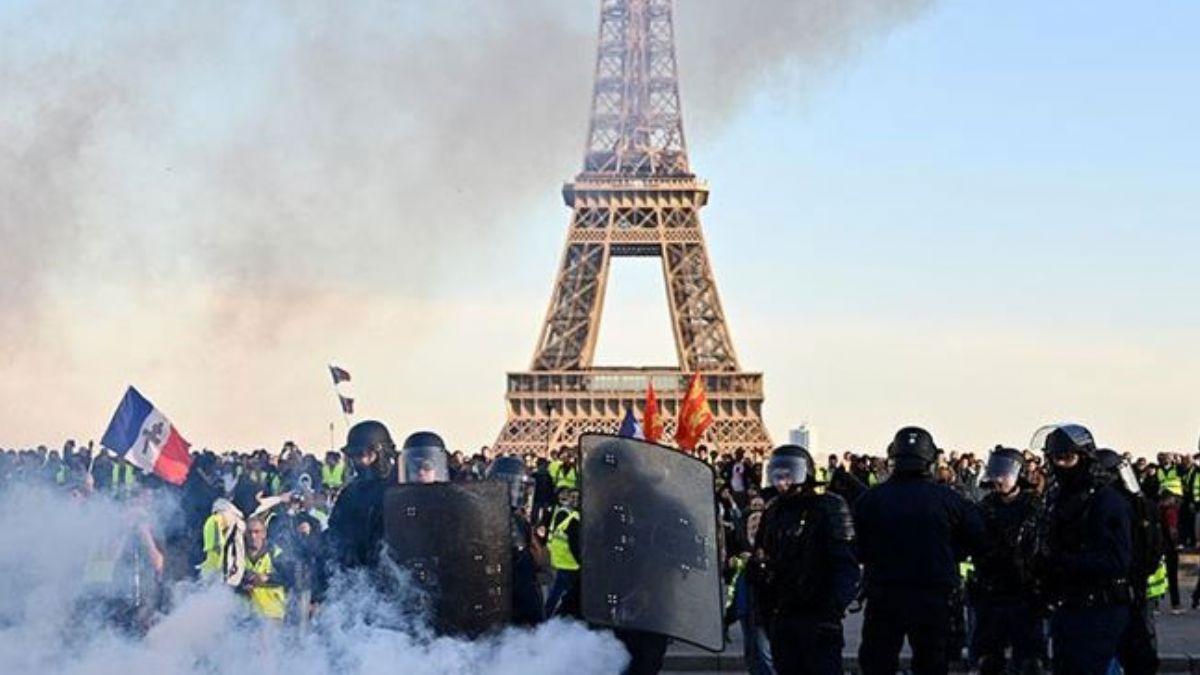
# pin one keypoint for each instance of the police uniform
(1001, 587)
(912, 533)
(806, 578)
(355, 532)
(1087, 557)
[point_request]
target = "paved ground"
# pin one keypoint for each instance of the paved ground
(1178, 638)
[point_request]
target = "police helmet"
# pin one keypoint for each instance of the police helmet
(511, 470)
(368, 435)
(1113, 463)
(1060, 440)
(1005, 468)
(912, 450)
(789, 466)
(423, 459)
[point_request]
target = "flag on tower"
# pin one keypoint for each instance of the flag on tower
(147, 439)
(652, 424)
(694, 415)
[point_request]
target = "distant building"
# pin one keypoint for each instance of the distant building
(804, 436)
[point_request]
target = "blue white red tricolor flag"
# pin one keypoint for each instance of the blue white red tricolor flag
(147, 439)
(630, 427)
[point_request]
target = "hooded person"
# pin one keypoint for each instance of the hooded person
(1086, 552)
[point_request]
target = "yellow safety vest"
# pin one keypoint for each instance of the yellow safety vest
(214, 545)
(123, 476)
(1156, 585)
(561, 557)
(564, 478)
(269, 601)
(822, 474)
(1169, 481)
(333, 476)
(966, 568)
(1191, 480)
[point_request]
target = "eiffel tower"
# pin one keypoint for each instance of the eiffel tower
(636, 196)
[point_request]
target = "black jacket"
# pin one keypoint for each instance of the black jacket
(912, 533)
(1003, 567)
(1088, 542)
(808, 563)
(356, 523)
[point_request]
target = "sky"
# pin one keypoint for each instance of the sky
(975, 216)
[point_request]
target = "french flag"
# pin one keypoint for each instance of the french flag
(147, 439)
(630, 427)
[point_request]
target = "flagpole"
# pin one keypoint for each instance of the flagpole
(331, 436)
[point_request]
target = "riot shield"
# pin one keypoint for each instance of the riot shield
(454, 540)
(649, 558)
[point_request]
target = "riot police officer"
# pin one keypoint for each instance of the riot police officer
(804, 572)
(1001, 590)
(356, 524)
(527, 593)
(1138, 650)
(424, 459)
(1086, 553)
(912, 533)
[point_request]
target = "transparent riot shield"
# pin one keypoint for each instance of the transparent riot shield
(649, 558)
(454, 541)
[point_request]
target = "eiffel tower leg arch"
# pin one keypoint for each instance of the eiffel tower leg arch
(635, 196)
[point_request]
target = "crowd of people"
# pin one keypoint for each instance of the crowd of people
(267, 525)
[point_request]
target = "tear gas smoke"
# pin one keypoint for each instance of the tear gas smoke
(51, 617)
(275, 149)
(191, 190)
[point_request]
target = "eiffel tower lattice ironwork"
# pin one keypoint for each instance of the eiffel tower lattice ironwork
(636, 196)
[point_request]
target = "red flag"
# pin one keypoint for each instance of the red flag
(694, 415)
(652, 425)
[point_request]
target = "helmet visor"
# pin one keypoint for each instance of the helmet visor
(1002, 471)
(424, 465)
(1056, 440)
(512, 471)
(1129, 478)
(785, 471)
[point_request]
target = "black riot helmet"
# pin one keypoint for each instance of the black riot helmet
(1059, 440)
(511, 470)
(423, 459)
(790, 466)
(1004, 470)
(368, 435)
(1112, 463)
(912, 451)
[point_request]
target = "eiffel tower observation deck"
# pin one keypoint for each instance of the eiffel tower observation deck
(636, 196)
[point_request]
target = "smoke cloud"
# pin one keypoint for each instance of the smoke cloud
(277, 149)
(190, 191)
(47, 591)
